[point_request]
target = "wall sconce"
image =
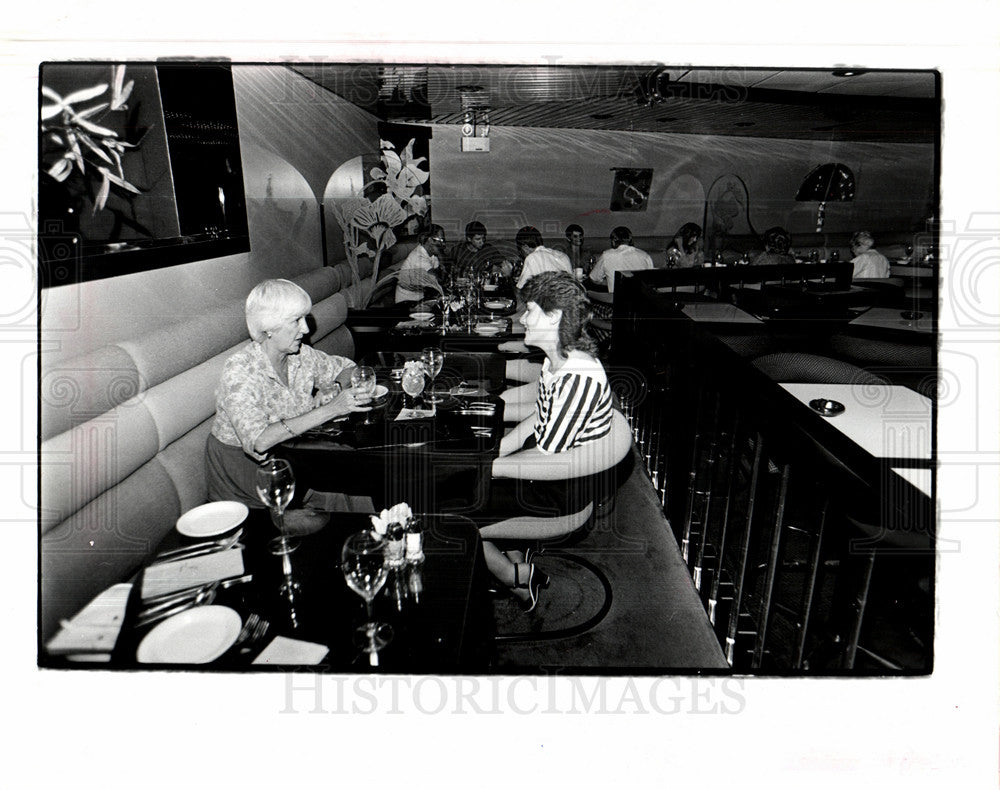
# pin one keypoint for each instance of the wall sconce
(832, 181)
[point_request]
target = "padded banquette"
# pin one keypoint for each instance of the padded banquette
(123, 433)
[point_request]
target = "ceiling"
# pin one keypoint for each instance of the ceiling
(864, 105)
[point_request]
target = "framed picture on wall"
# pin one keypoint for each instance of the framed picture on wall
(630, 191)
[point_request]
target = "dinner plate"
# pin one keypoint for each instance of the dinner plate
(213, 518)
(487, 330)
(496, 304)
(195, 636)
(422, 316)
(380, 391)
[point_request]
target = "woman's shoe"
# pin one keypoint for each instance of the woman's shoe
(542, 576)
(531, 584)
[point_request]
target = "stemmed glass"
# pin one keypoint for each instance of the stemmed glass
(412, 383)
(433, 359)
(275, 486)
(364, 382)
(363, 563)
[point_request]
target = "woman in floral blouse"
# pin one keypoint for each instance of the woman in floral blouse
(272, 389)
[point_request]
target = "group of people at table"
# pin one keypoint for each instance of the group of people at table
(276, 388)
(431, 262)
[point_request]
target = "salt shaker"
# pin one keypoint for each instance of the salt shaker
(414, 538)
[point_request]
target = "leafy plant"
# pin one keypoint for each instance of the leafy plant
(369, 220)
(74, 140)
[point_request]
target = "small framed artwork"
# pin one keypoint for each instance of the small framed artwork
(630, 191)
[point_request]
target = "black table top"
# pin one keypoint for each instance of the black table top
(436, 608)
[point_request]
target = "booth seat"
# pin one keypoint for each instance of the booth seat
(123, 432)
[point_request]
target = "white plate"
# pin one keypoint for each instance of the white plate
(497, 304)
(213, 518)
(487, 331)
(380, 391)
(196, 636)
(422, 316)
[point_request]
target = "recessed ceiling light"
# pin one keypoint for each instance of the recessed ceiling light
(848, 72)
(602, 116)
(665, 120)
(744, 123)
(469, 88)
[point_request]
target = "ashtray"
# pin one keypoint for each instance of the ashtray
(826, 407)
(912, 315)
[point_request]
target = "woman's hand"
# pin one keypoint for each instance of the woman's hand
(348, 401)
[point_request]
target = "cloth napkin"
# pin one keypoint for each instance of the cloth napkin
(94, 630)
(169, 576)
(414, 414)
(283, 650)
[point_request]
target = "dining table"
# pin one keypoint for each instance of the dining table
(437, 456)
(267, 612)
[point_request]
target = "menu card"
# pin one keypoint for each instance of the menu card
(283, 650)
(94, 630)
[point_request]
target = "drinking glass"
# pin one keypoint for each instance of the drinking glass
(363, 562)
(433, 359)
(275, 486)
(364, 382)
(412, 383)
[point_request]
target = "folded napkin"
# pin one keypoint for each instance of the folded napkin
(94, 630)
(283, 650)
(469, 390)
(414, 414)
(169, 576)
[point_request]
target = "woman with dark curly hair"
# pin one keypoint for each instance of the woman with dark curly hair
(777, 242)
(572, 408)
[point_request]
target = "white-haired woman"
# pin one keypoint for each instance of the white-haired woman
(272, 389)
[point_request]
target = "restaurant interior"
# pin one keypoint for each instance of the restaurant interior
(768, 507)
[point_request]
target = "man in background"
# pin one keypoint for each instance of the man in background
(622, 257)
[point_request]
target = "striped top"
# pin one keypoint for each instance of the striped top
(574, 404)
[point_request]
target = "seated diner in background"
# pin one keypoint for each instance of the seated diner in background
(580, 256)
(622, 257)
(868, 262)
(687, 248)
(469, 256)
(421, 266)
(272, 389)
(777, 243)
(538, 258)
(567, 407)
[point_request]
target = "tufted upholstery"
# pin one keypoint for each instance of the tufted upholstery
(123, 433)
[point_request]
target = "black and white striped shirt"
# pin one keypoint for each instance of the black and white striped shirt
(574, 404)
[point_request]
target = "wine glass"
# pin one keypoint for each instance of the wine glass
(363, 562)
(363, 381)
(275, 486)
(412, 383)
(433, 359)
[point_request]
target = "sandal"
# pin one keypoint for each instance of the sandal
(531, 584)
(540, 575)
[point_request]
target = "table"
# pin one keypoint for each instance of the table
(887, 322)
(719, 312)
(441, 462)
(891, 423)
(446, 627)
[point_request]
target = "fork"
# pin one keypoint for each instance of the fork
(208, 547)
(256, 632)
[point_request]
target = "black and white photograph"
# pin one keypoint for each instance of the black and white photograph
(355, 395)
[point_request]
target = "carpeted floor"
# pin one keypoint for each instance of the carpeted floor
(655, 623)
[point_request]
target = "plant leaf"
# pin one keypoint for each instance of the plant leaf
(48, 93)
(119, 103)
(86, 94)
(96, 149)
(51, 110)
(119, 181)
(94, 128)
(102, 193)
(60, 170)
(90, 110)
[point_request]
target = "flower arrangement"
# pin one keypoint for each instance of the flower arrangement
(74, 140)
(367, 221)
(392, 520)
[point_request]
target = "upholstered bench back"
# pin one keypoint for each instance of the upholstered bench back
(123, 433)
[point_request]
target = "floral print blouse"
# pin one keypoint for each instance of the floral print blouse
(250, 396)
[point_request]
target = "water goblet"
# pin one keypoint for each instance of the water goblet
(363, 381)
(275, 485)
(433, 359)
(362, 561)
(412, 383)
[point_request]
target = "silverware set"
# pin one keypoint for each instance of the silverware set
(254, 629)
(200, 549)
(161, 607)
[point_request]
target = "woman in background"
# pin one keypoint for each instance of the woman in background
(687, 248)
(777, 243)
